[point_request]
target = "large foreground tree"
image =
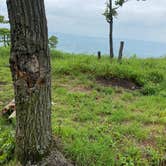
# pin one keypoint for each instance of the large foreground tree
(30, 67)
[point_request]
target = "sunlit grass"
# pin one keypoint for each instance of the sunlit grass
(103, 125)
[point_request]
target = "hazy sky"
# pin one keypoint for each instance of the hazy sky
(136, 20)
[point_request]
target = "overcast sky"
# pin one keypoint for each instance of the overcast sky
(136, 20)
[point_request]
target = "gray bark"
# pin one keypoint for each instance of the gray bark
(30, 67)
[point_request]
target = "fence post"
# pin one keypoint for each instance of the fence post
(121, 51)
(99, 54)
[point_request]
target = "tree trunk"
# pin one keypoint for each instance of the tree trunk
(111, 33)
(8, 40)
(30, 67)
(4, 40)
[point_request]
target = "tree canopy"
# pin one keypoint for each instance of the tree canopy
(2, 20)
(53, 41)
(112, 11)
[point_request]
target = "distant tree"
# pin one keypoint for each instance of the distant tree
(4, 32)
(30, 67)
(2, 20)
(110, 13)
(52, 41)
(5, 36)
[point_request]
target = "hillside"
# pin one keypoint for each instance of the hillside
(103, 113)
(77, 43)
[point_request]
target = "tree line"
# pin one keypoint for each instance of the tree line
(4, 33)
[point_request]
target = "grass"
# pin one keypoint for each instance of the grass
(102, 125)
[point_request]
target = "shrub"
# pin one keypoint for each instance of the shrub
(149, 89)
(155, 76)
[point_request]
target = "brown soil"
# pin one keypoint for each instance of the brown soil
(118, 82)
(81, 88)
(2, 83)
(148, 143)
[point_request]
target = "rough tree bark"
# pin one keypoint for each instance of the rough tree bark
(30, 67)
(111, 32)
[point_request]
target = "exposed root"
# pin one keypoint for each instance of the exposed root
(55, 159)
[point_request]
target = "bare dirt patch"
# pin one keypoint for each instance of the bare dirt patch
(156, 130)
(148, 143)
(3, 83)
(118, 82)
(81, 88)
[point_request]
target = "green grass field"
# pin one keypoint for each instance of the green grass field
(98, 124)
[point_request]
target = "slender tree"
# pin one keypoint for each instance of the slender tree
(30, 67)
(110, 13)
(109, 18)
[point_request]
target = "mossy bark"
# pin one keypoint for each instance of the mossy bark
(30, 67)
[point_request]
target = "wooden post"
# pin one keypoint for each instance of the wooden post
(121, 51)
(99, 54)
